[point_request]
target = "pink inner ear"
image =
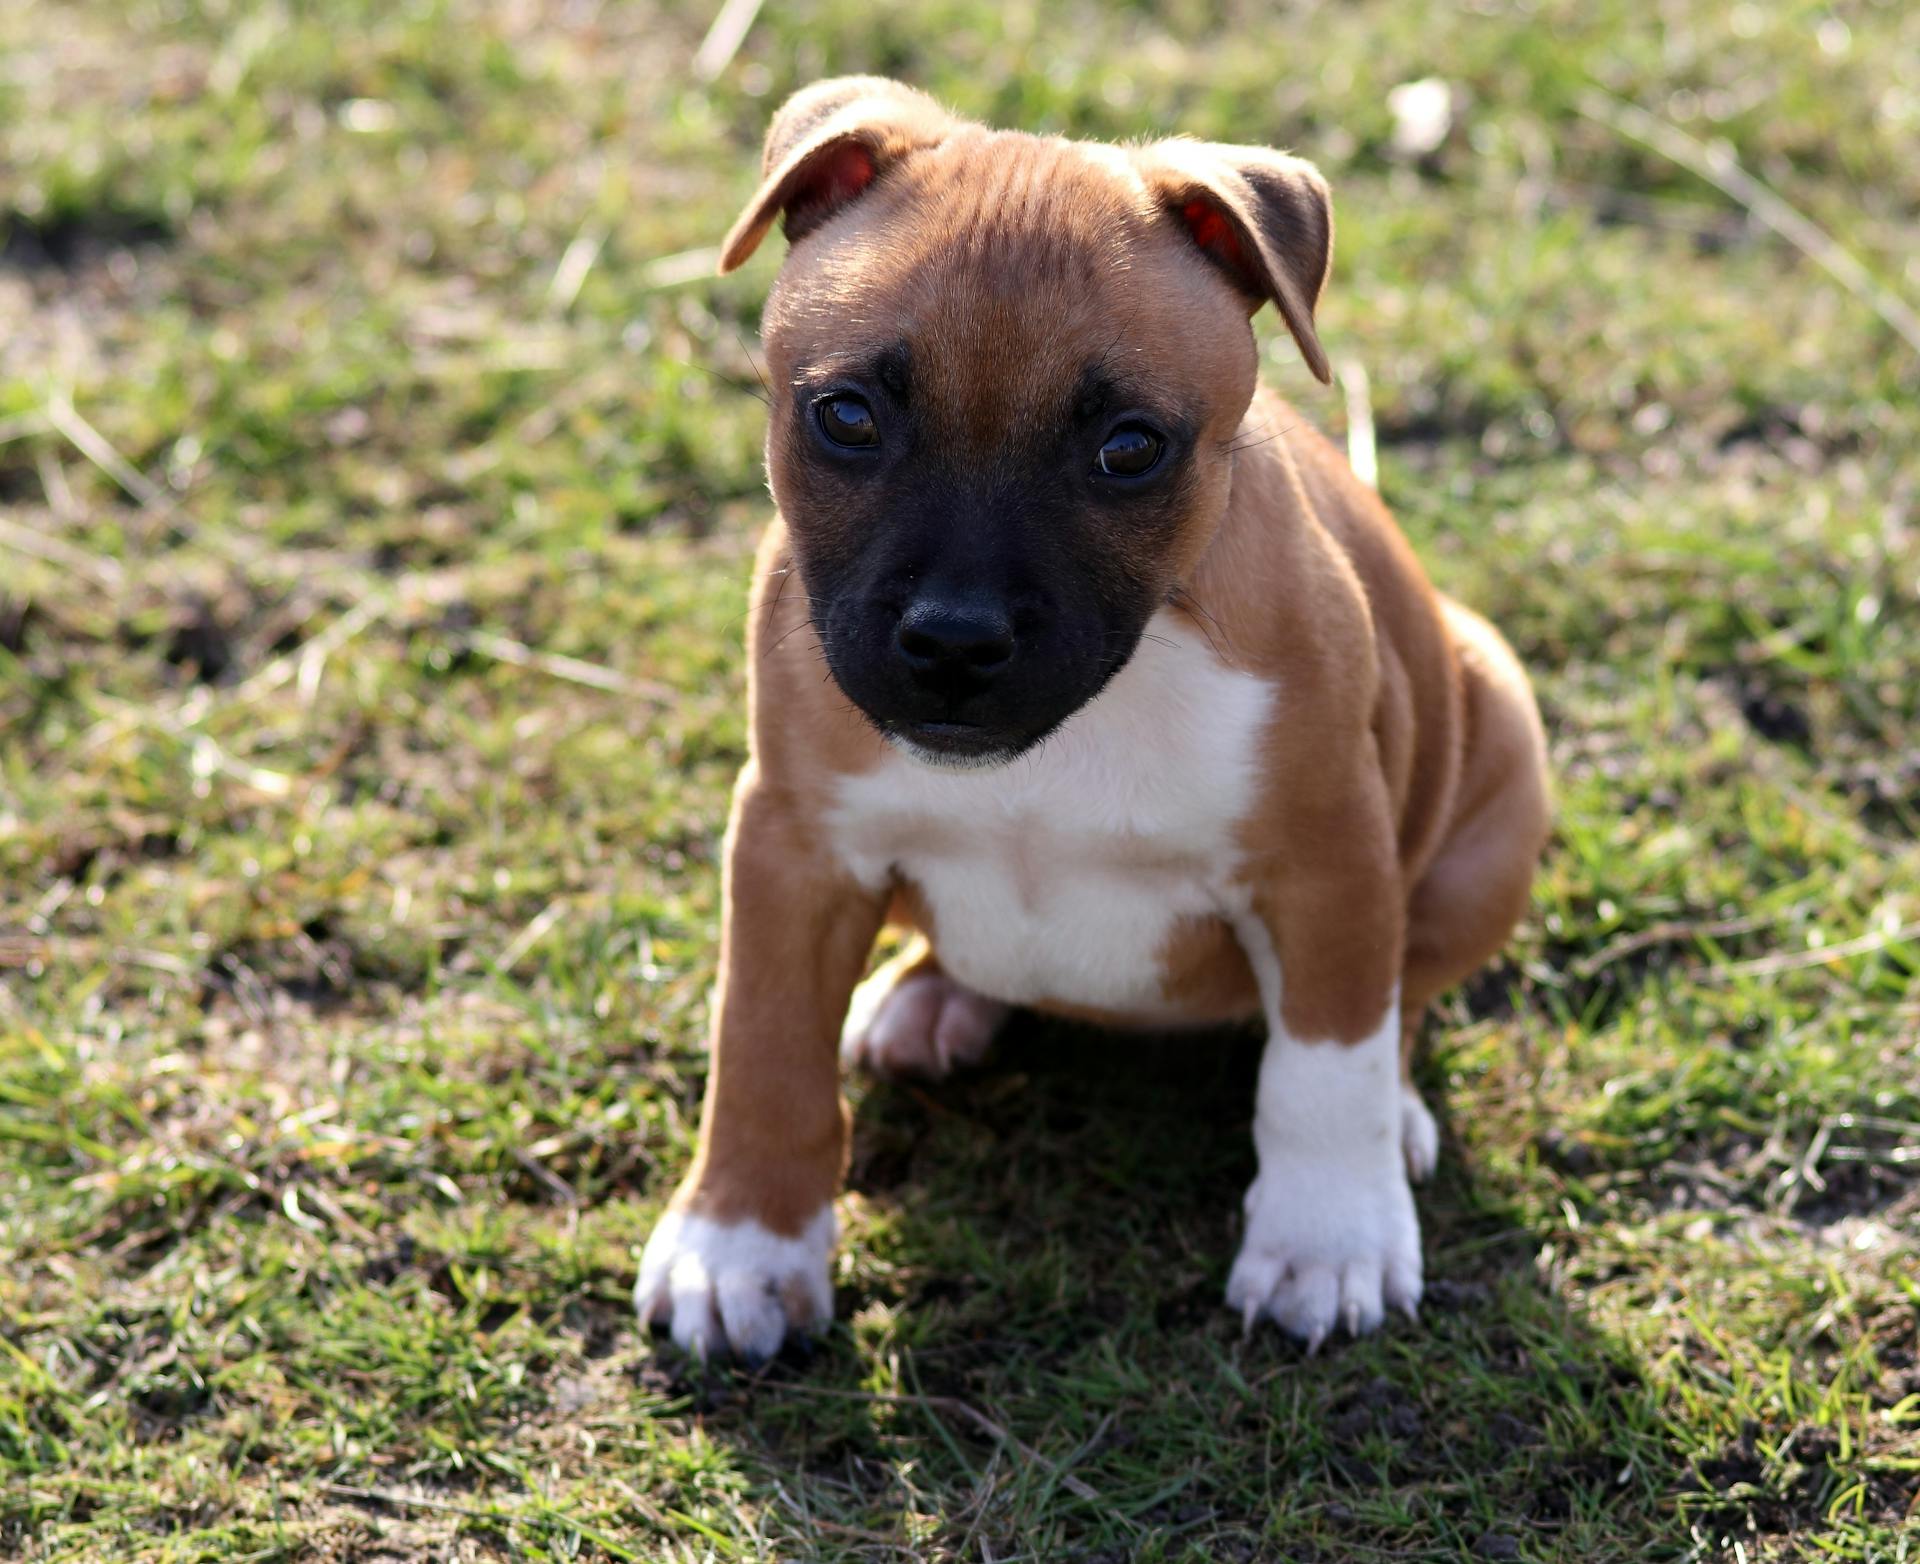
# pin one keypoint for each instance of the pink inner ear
(1211, 231)
(834, 178)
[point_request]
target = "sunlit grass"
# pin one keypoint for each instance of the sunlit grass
(370, 688)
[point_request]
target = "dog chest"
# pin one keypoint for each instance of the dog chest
(1060, 876)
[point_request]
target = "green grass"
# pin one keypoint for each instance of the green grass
(354, 951)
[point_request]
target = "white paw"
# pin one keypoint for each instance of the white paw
(924, 1024)
(1327, 1244)
(735, 1288)
(1419, 1135)
(1332, 1238)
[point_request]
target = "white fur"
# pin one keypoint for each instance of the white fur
(922, 1024)
(1059, 875)
(1332, 1237)
(735, 1287)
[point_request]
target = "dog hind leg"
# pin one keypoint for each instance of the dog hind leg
(1476, 888)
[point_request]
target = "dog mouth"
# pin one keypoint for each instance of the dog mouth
(953, 745)
(969, 728)
(950, 741)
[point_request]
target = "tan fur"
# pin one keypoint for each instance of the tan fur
(1403, 802)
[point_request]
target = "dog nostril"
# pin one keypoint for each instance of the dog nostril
(933, 640)
(990, 652)
(919, 646)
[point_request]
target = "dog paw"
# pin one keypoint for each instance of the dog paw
(921, 1024)
(1327, 1246)
(735, 1288)
(1419, 1135)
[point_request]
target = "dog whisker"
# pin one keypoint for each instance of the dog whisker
(740, 337)
(1181, 598)
(1248, 445)
(726, 380)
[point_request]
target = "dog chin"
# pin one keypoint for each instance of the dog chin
(950, 749)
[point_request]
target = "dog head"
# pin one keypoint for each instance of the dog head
(1007, 372)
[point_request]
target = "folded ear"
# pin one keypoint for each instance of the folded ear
(826, 145)
(1264, 218)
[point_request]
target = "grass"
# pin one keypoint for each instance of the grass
(370, 685)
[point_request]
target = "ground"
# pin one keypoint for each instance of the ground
(378, 474)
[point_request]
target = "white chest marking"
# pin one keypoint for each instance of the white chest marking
(1059, 876)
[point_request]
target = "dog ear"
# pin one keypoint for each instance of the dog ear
(1264, 218)
(825, 146)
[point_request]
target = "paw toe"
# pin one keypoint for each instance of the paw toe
(1361, 1309)
(751, 1315)
(695, 1323)
(1251, 1284)
(1419, 1135)
(896, 1034)
(965, 1029)
(1402, 1287)
(1306, 1303)
(924, 1025)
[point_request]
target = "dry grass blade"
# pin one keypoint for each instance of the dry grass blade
(53, 479)
(1719, 169)
(535, 931)
(1825, 955)
(1362, 453)
(1670, 934)
(573, 669)
(494, 1515)
(724, 37)
(92, 444)
(30, 950)
(575, 263)
(685, 266)
(56, 551)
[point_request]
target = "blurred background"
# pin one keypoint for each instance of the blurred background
(379, 468)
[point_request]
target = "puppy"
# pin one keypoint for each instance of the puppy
(1141, 710)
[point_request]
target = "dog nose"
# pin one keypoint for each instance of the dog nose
(949, 645)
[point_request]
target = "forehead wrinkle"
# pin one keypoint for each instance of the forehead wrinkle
(994, 370)
(994, 202)
(860, 358)
(1020, 259)
(999, 361)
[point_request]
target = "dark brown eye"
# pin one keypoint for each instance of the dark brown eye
(847, 420)
(1131, 451)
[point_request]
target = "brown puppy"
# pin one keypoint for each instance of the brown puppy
(1141, 709)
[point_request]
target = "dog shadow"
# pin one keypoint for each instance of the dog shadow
(1031, 1343)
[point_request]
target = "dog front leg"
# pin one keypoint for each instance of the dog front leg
(1331, 1235)
(741, 1256)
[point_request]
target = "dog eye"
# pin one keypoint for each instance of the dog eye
(847, 420)
(1131, 451)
